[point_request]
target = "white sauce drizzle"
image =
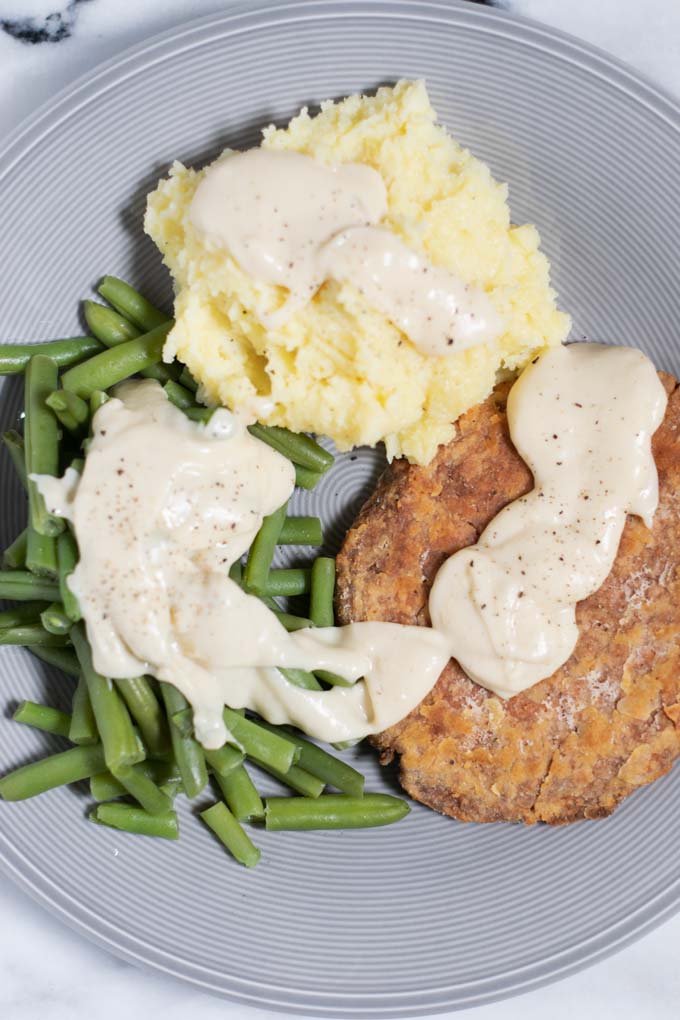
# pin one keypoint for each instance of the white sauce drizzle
(582, 417)
(165, 505)
(293, 222)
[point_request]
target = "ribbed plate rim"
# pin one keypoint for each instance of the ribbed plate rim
(247, 17)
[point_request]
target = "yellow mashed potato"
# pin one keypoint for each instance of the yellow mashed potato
(338, 367)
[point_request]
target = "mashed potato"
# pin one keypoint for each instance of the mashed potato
(338, 367)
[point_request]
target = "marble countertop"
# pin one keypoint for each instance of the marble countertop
(46, 971)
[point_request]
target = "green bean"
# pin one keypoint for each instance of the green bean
(41, 554)
(113, 329)
(297, 779)
(306, 479)
(58, 770)
(112, 366)
(83, 725)
(261, 551)
(301, 531)
(130, 303)
(55, 620)
(301, 678)
(223, 759)
(104, 786)
(14, 556)
(61, 658)
(42, 717)
(111, 715)
(72, 412)
(41, 440)
(240, 794)
(67, 556)
(220, 819)
(143, 789)
(15, 357)
(333, 811)
(187, 379)
(108, 325)
(15, 447)
(289, 581)
(179, 396)
(183, 721)
(321, 593)
(236, 572)
(320, 763)
(291, 623)
(129, 818)
(97, 399)
(188, 752)
(26, 612)
(299, 448)
(144, 708)
(31, 634)
(200, 414)
(271, 748)
(23, 586)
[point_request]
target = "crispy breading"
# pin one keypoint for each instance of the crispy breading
(574, 745)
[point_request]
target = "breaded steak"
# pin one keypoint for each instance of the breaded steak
(574, 745)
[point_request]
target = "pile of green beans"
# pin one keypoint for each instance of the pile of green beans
(133, 738)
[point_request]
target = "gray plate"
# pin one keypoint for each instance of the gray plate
(431, 914)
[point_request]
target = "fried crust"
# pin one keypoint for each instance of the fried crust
(574, 745)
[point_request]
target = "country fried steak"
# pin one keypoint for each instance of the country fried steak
(574, 745)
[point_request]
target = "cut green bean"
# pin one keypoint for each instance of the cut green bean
(31, 634)
(67, 557)
(41, 554)
(112, 718)
(271, 748)
(143, 789)
(83, 726)
(43, 717)
(14, 444)
(144, 708)
(70, 409)
(118, 363)
(306, 479)
(188, 752)
(261, 551)
(103, 786)
(165, 774)
(23, 586)
(41, 440)
(97, 399)
(129, 818)
(297, 779)
(233, 837)
(292, 623)
(26, 612)
(289, 581)
(55, 620)
(130, 303)
(60, 658)
(301, 678)
(15, 357)
(179, 396)
(58, 770)
(223, 759)
(320, 763)
(333, 811)
(107, 325)
(187, 379)
(321, 593)
(299, 448)
(183, 721)
(14, 556)
(301, 531)
(200, 414)
(236, 572)
(240, 794)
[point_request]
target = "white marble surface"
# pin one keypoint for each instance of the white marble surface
(46, 971)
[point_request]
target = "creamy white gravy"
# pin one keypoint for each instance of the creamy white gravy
(582, 418)
(165, 505)
(162, 509)
(296, 223)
